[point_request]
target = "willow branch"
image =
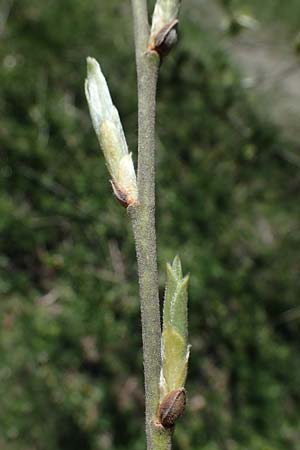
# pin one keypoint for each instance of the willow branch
(143, 220)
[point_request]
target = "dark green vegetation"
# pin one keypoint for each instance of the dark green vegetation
(228, 203)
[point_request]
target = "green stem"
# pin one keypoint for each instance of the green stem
(143, 221)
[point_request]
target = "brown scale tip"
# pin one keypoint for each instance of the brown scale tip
(172, 407)
(123, 197)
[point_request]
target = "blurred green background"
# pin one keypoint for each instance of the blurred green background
(228, 202)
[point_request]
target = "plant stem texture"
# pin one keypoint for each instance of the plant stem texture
(143, 220)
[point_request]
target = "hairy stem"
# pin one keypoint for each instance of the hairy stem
(143, 220)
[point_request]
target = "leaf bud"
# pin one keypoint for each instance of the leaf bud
(107, 125)
(163, 34)
(174, 346)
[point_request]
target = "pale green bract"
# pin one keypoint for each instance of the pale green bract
(175, 349)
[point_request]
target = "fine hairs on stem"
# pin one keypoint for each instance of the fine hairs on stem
(166, 352)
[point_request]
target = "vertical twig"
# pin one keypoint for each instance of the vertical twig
(143, 220)
(138, 195)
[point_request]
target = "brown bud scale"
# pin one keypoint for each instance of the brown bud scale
(123, 197)
(165, 39)
(172, 407)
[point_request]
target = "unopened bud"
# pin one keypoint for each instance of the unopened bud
(108, 128)
(171, 408)
(163, 34)
(174, 345)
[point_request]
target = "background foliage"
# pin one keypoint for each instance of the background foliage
(70, 348)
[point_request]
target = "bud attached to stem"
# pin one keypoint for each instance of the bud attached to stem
(163, 34)
(175, 349)
(172, 407)
(108, 128)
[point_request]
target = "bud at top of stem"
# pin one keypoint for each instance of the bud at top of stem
(163, 34)
(109, 130)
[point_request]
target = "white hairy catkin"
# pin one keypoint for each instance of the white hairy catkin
(109, 130)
